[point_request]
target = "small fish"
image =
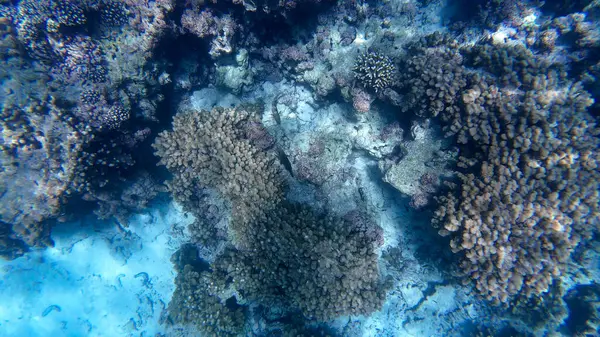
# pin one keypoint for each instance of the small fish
(274, 111)
(285, 161)
(50, 309)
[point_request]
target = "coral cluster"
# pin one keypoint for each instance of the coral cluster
(196, 299)
(134, 196)
(84, 86)
(39, 159)
(209, 149)
(65, 108)
(432, 78)
(529, 188)
(42, 24)
(279, 252)
(321, 265)
(221, 29)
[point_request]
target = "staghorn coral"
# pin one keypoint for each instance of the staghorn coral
(374, 71)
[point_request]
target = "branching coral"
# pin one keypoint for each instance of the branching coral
(209, 149)
(374, 71)
(196, 299)
(528, 191)
(432, 77)
(322, 265)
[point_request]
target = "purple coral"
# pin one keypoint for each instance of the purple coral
(258, 135)
(361, 100)
(82, 60)
(206, 24)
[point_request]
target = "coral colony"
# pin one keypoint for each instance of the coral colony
(300, 168)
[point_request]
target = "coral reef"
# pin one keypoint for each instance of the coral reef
(311, 140)
(39, 159)
(415, 169)
(134, 196)
(321, 265)
(221, 29)
(432, 77)
(70, 104)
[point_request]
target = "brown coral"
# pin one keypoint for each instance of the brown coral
(197, 299)
(323, 265)
(529, 186)
(38, 156)
(208, 149)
